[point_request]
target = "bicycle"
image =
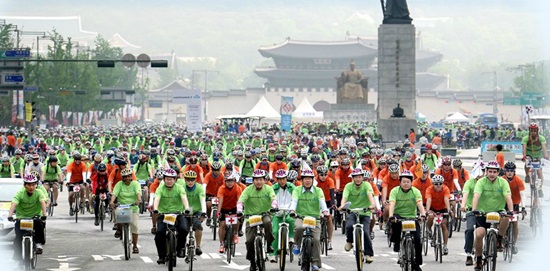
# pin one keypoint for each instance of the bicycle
(457, 212)
(76, 203)
(260, 253)
(437, 237)
(358, 236)
(424, 236)
(406, 253)
(142, 205)
(306, 252)
(229, 244)
(324, 237)
(214, 217)
(535, 221)
(490, 240)
(124, 215)
(51, 197)
(190, 245)
(171, 238)
(102, 209)
(284, 245)
(29, 255)
(508, 240)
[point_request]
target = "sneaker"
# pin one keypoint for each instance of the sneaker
(221, 250)
(500, 246)
(372, 235)
(198, 251)
(181, 253)
(479, 264)
(115, 227)
(269, 249)
(208, 222)
(39, 249)
(235, 239)
(96, 222)
(272, 258)
(541, 193)
(241, 233)
(55, 204)
(253, 266)
(329, 246)
(295, 250)
(348, 246)
(314, 267)
(160, 261)
(369, 259)
(515, 250)
(445, 250)
(469, 261)
(71, 211)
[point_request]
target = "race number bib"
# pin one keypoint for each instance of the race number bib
(408, 225)
(215, 201)
(76, 188)
(309, 222)
(231, 219)
(492, 217)
(170, 219)
(255, 220)
(27, 224)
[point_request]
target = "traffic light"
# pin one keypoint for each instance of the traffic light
(29, 111)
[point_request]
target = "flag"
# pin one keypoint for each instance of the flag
(418, 169)
(477, 168)
(50, 109)
(55, 110)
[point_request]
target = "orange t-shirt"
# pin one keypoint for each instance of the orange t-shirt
(213, 183)
(11, 140)
(116, 177)
(448, 177)
(438, 197)
(500, 159)
(275, 166)
(437, 140)
(230, 196)
(516, 185)
(76, 171)
(390, 184)
(412, 137)
(407, 165)
(263, 166)
(153, 187)
(326, 186)
(197, 170)
(375, 190)
(344, 177)
(422, 186)
(463, 176)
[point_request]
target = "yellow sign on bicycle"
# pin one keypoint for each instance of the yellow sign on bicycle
(408, 225)
(255, 220)
(309, 222)
(170, 219)
(27, 224)
(492, 217)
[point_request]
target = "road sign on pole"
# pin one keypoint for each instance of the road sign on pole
(16, 53)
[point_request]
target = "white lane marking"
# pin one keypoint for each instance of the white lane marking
(205, 256)
(146, 259)
(97, 257)
(326, 266)
(215, 255)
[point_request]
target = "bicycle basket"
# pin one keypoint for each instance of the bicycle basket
(123, 215)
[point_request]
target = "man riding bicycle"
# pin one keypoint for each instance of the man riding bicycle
(196, 196)
(128, 191)
(534, 146)
(170, 198)
(283, 190)
(228, 194)
(437, 201)
(51, 176)
(491, 194)
(360, 194)
(100, 183)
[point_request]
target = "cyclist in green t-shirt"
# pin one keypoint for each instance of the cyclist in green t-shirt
(6, 168)
(466, 206)
(404, 201)
(52, 175)
(197, 204)
(257, 199)
(128, 191)
(360, 194)
(534, 146)
(491, 194)
(170, 198)
(308, 200)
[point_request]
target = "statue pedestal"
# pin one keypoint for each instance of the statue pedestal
(395, 129)
(353, 112)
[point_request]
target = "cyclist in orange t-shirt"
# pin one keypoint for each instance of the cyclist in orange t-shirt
(228, 195)
(342, 178)
(517, 187)
(437, 201)
(76, 172)
(391, 181)
(423, 182)
(327, 185)
(212, 182)
(194, 167)
(376, 196)
(463, 174)
(278, 164)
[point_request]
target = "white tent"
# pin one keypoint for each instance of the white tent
(263, 109)
(305, 111)
(457, 117)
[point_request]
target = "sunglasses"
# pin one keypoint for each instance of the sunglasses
(510, 170)
(446, 164)
(438, 184)
(322, 174)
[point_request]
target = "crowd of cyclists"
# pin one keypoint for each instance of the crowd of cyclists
(262, 173)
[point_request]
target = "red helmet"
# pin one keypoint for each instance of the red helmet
(533, 126)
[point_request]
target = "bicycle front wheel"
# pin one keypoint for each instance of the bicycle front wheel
(282, 248)
(230, 246)
(170, 251)
(27, 250)
(259, 251)
(324, 239)
(534, 220)
(358, 233)
(126, 241)
(424, 239)
(76, 206)
(50, 209)
(214, 223)
(190, 254)
(307, 246)
(439, 245)
(407, 254)
(492, 252)
(458, 218)
(101, 214)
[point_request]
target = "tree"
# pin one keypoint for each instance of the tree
(531, 79)
(6, 42)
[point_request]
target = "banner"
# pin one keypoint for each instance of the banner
(79, 118)
(194, 110)
(55, 110)
(65, 118)
(512, 146)
(287, 108)
(50, 109)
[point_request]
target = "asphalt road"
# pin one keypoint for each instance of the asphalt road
(82, 246)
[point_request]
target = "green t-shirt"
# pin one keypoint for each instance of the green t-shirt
(308, 202)
(257, 201)
(127, 194)
(28, 207)
(142, 171)
(170, 199)
(63, 159)
(491, 194)
(469, 186)
(51, 173)
(6, 171)
(405, 203)
(533, 148)
(194, 196)
(17, 162)
(358, 196)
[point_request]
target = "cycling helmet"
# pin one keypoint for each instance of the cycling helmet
(281, 173)
(171, 158)
(408, 154)
(436, 179)
(171, 152)
(322, 169)
(533, 126)
(307, 173)
(457, 163)
(366, 174)
(18, 152)
(393, 168)
(110, 153)
(159, 174)
(30, 178)
(216, 166)
(77, 157)
(382, 161)
(98, 158)
(406, 173)
(315, 158)
(28, 157)
(353, 155)
(510, 166)
(379, 152)
(192, 160)
(102, 167)
(5, 158)
(292, 175)
(425, 168)
(493, 164)
(446, 160)
(428, 146)
(170, 172)
(357, 172)
(35, 156)
(35, 174)
(119, 160)
(333, 163)
(52, 159)
(278, 157)
(295, 163)
(126, 172)
(345, 161)
(258, 173)
(142, 157)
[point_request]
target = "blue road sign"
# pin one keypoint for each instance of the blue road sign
(15, 78)
(30, 89)
(17, 53)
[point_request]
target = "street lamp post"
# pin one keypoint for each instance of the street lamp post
(495, 87)
(205, 112)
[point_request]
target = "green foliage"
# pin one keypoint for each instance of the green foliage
(6, 42)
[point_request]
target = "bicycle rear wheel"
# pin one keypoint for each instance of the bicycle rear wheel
(324, 238)
(424, 238)
(358, 232)
(142, 204)
(534, 220)
(259, 251)
(388, 235)
(450, 222)
(307, 246)
(50, 209)
(126, 241)
(458, 218)
(509, 243)
(282, 248)
(230, 246)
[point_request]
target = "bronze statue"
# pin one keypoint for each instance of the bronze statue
(352, 86)
(396, 12)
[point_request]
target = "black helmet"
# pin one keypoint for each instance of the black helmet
(510, 165)
(102, 167)
(77, 157)
(52, 159)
